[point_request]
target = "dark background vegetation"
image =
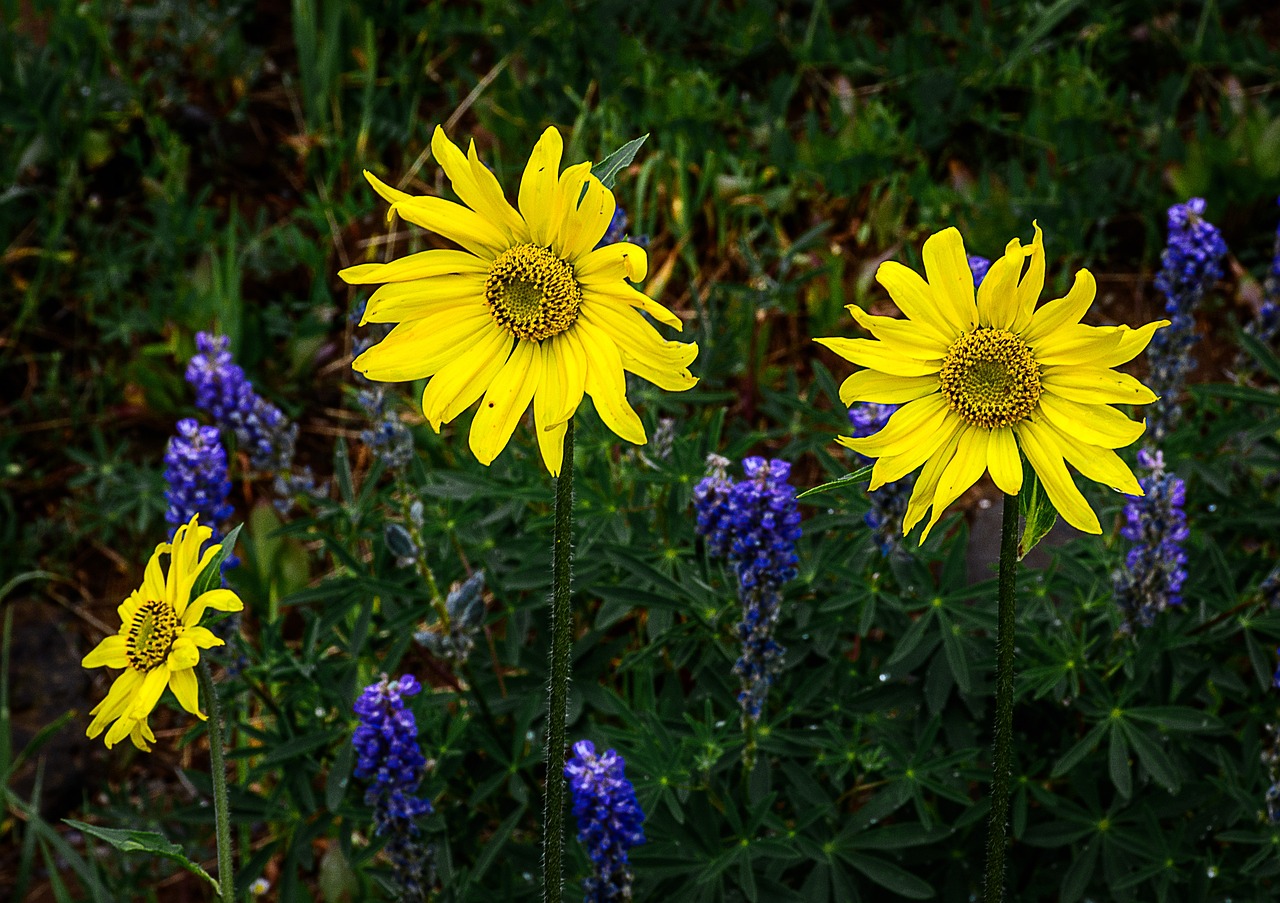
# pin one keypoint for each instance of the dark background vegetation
(177, 166)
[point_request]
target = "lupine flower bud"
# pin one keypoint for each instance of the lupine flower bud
(1156, 524)
(889, 502)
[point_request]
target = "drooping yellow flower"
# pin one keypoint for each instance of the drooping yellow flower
(529, 311)
(980, 382)
(160, 639)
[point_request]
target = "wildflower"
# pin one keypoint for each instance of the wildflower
(979, 266)
(711, 504)
(610, 821)
(454, 640)
(159, 640)
(388, 757)
(259, 887)
(387, 437)
(617, 230)
(527, 312)
(755, 524)
(1156, 524)
(196, 471)
(888, 503)
(1191, 264)
(980, 382)
(1266, 325)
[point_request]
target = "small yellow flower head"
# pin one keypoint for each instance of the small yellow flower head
(530, 311)
(984, 381)
(159, 640)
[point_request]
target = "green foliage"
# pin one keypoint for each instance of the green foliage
(178, 166)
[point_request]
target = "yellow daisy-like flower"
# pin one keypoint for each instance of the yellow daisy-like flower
(160, 639)
(530, 311)
(979, 382)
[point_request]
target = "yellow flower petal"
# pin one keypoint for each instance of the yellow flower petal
(538, 188)
(998, 294)
(115, 702)
(110, 653)
(950, 280)
(1096, 424)
(153, 577)
(1094, 385)
(204, 638)
(422, 265)
(915, 298)
(606, 384)
(457, 385)
(927, 482)
(879, 356)
(1132, 343)
(505, 401)
(923, 344)
(487, 182)
(185, 687)
(621, 293)
(889, 468)
(1098, 464)
(1062, 312)
(391, 195)
(146, 696)
(1004, 461)
(620, 260)
(483, 196)
(643, 351)
(885, 388)
(418, 348)
(140, 733)
(908, 425)
(1045, 456)
(1078, 345)
(549, 405)
(1032, 283)
(585, 225)
(968, 463)
(219, 599)
(456, 223)
(397, 301)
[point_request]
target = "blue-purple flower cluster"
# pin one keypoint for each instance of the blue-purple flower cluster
(261, 429)
(979, 266)
(754, 523)
(1191, 265)
(388, 757)
(196, 471)
(387, 436)
(889, 502)
(617, 230)
(1271, 761)
(610, 821)
(1156, 524)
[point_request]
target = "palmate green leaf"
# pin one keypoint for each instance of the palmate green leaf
(142, 841)
(607, 169)
(848, 479)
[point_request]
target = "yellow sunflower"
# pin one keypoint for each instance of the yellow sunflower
(979, 382)
(531, 310)
(160, 639)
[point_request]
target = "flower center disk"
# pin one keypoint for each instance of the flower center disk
(151, 634)
(532, 293)
(990, 378)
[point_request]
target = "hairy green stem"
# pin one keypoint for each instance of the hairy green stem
(558, 689)
(1002, 749)
(221, 808)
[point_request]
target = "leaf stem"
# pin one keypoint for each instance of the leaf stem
(221, 808)
(1002, 751)
(558, 689)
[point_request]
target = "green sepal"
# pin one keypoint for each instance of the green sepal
(608, 168)
(858, 476)
(211, 576)
(1038, 513)
(144, 841)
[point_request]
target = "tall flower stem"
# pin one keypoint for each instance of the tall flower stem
(221, 808)
(558, 689)
(1002, 750)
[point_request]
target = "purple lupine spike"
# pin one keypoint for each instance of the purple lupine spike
(388, 757)
(610, 821)
(1191, 265)
(889, 502)
(196, 471)
(1155, 567)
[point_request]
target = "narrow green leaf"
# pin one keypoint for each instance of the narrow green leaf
(848, 479)
(890, 876)
(1038, 513)
(1121, 773)
(211, 576)
(1155, 760)
(1265, 357)
(1076, 880)
(142, 841)
(1080, 750)
(607, 169)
